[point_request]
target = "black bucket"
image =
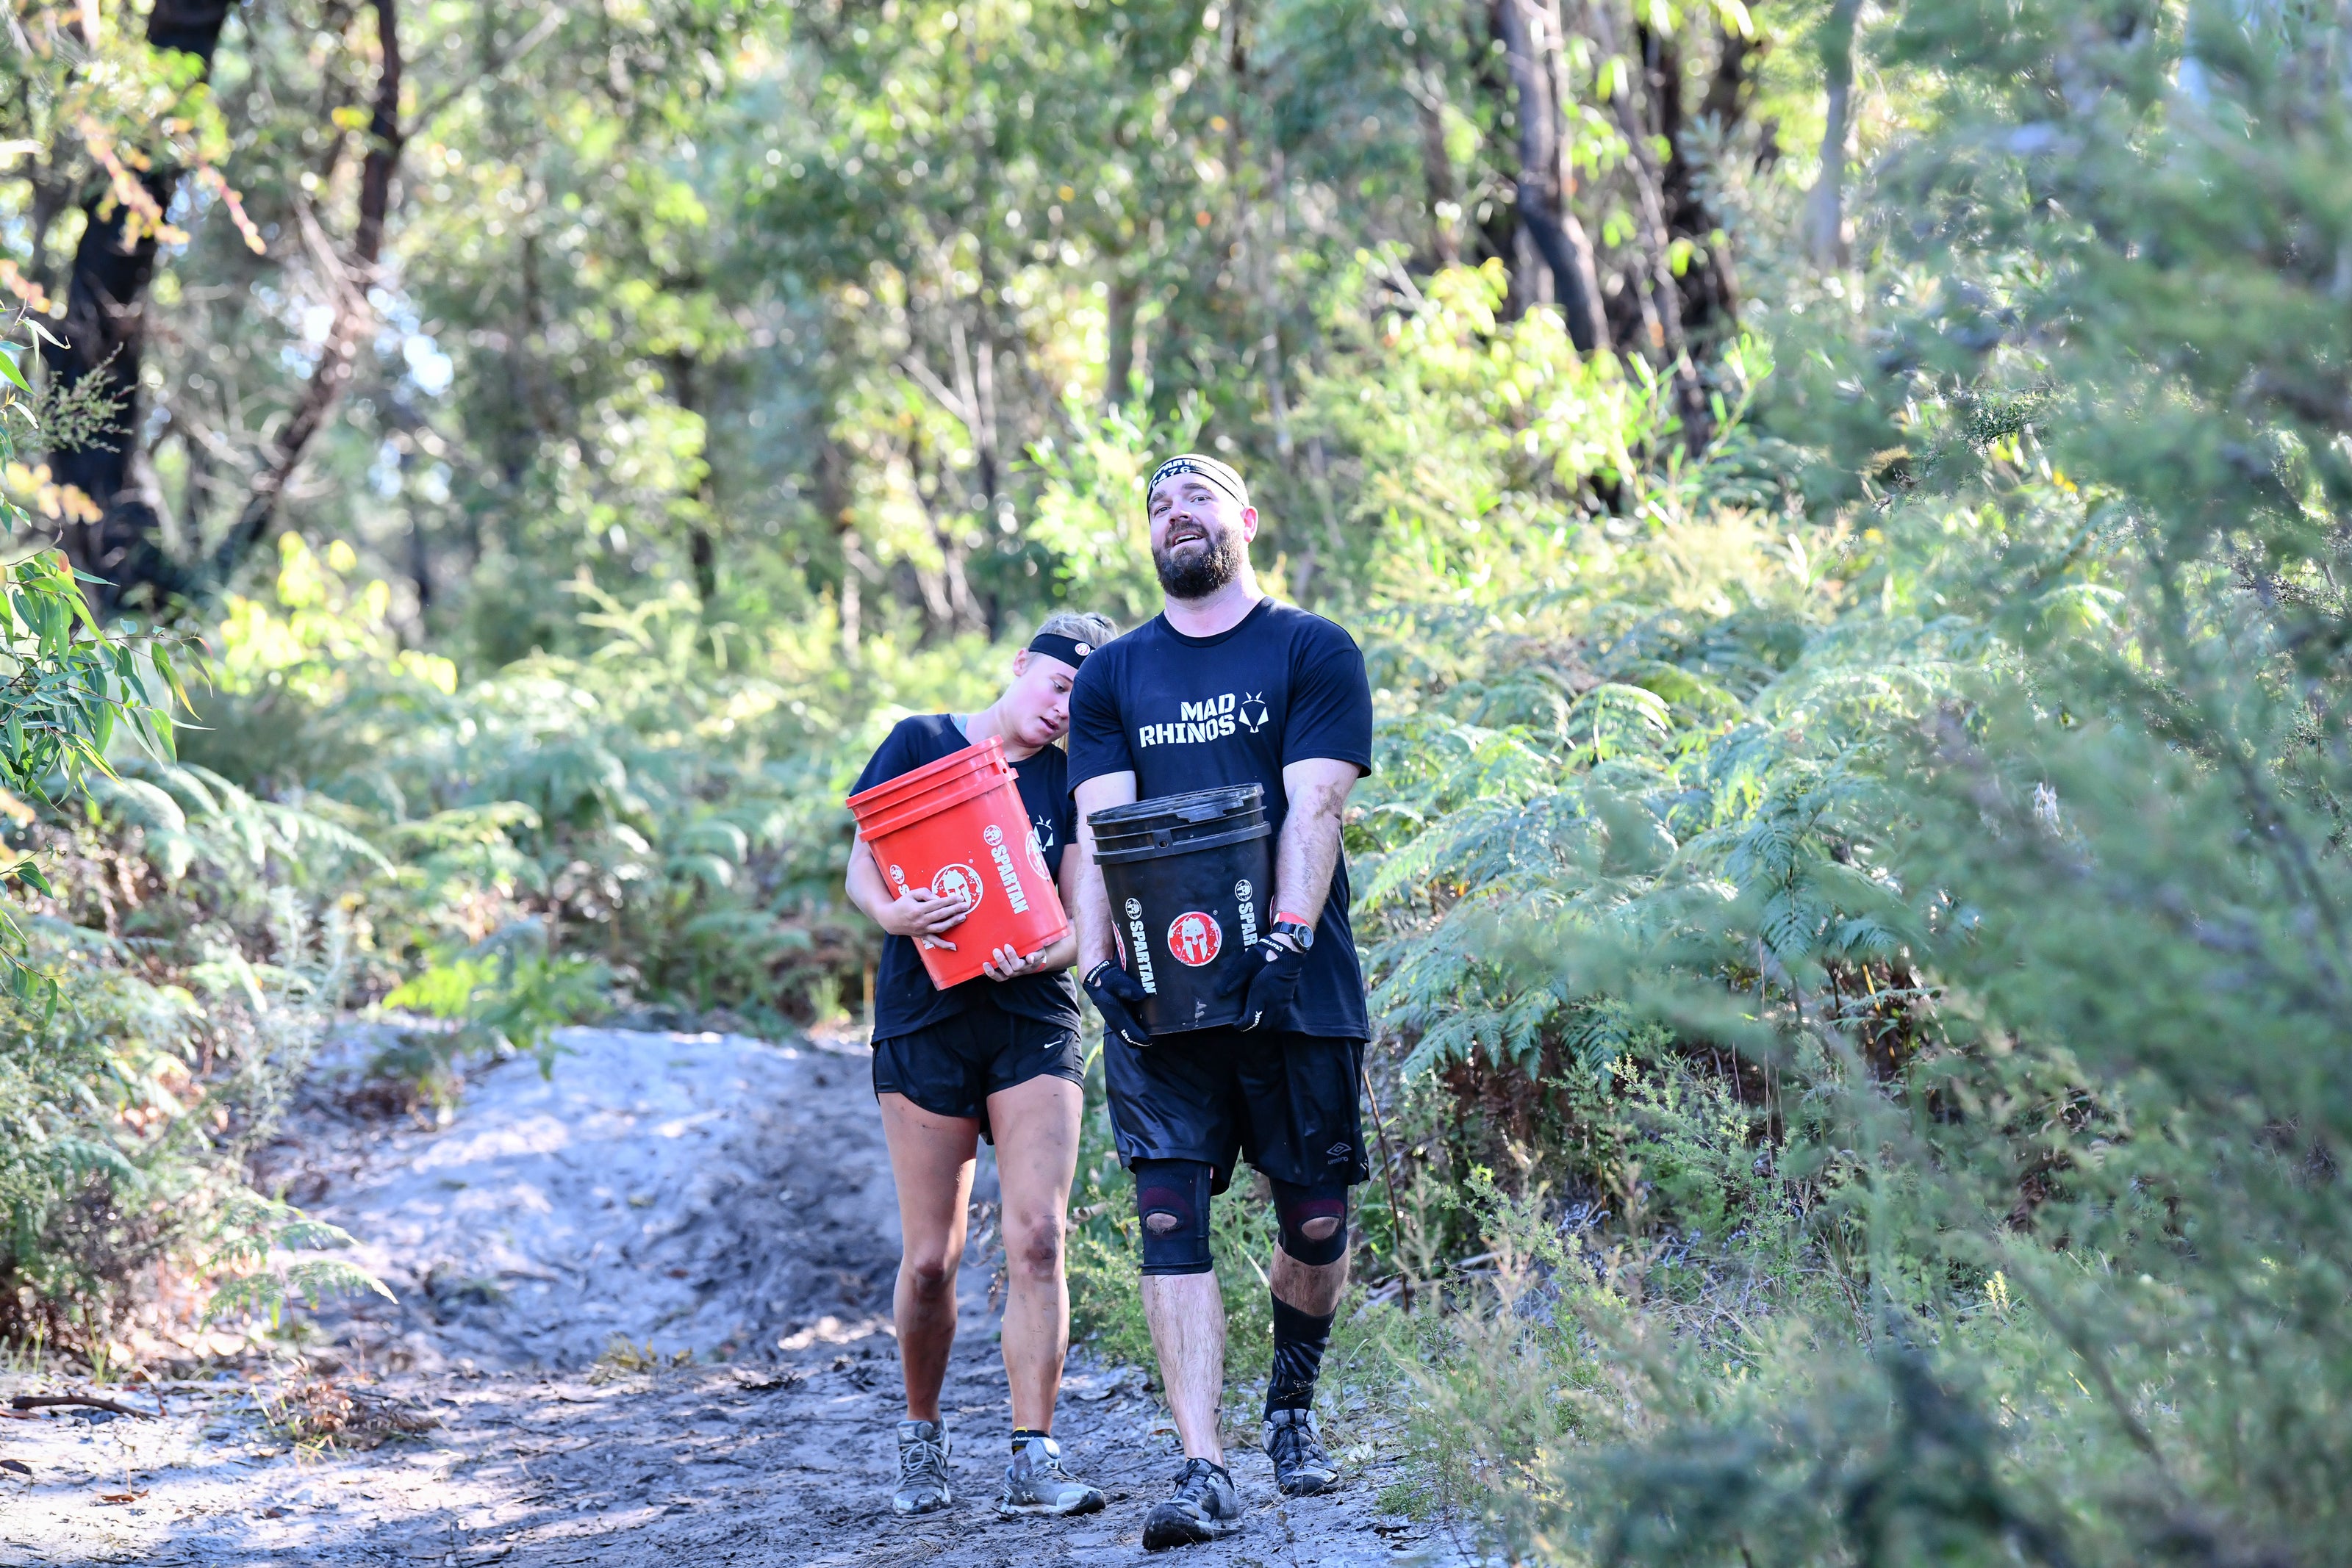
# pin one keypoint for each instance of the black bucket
(1190, 878)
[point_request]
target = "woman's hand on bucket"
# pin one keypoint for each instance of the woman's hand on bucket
(1007, 962)
(923, 915)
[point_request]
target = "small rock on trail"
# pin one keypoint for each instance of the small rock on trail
(702, 1193)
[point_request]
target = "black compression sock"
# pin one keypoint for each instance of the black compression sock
(1023, 1434)
(1299, 1341)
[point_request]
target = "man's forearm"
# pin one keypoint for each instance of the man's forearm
(1090, 906)
(1308, 849)
(1091, 910)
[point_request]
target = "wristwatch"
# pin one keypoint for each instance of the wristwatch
(1298, 931)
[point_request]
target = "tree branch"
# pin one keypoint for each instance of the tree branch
(331, 376)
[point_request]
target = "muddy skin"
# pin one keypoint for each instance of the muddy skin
(697, 1193)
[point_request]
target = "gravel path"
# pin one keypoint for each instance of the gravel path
(699, 1194)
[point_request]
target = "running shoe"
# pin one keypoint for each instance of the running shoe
(1301, 1468)
(1035, 1482)
(922, 1468)
(1203, 1507)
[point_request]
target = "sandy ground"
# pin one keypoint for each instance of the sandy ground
(701, 1194)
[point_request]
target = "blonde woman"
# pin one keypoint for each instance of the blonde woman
(996, 1058)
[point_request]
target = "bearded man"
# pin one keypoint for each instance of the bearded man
(1280, 1088)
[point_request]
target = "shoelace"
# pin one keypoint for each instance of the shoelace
(1295, 1441)
(920, 1460)
(1196, 1484)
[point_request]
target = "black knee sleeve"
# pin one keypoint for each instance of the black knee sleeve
(1172, 1199)
(1297, 1206)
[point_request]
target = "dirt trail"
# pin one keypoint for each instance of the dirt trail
(699, 1193)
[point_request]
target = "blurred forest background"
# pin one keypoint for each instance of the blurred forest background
(1846, 505)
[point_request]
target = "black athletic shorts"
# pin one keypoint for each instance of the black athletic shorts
(952, 1067)
(1286, 1101)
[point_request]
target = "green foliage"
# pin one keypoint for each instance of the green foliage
(144, 1051)
(2008, 882)
(188, 988)
(507, 995)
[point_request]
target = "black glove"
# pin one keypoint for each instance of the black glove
(1269, 974)
(1115, 994)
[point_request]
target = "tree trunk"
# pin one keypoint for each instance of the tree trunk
(1709, 285)
(1495, 223)
(1660, 298)
(331, 376)
(1436, 163)
(833, 503)
(1530, 46)
(1121, 371)
(1730, 92)
(702, 554)
(1825, 207)
(106, 337)
(1563, 177)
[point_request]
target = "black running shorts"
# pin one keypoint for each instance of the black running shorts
(950, 1068)
(1285, 1102)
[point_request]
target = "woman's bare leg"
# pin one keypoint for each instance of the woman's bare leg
(931, 1159)
(1036, 1127)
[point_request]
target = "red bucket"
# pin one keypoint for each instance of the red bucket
(959, 824)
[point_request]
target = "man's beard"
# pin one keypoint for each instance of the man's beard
(1199, 574)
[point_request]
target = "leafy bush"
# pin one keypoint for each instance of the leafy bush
(166, 983)
(2003, 907)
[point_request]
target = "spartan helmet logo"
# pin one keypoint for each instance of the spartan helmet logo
(1037, 850)
(1194, 937)
(1253, 714)
(950, 880)
(1134, 909)
(992, 835)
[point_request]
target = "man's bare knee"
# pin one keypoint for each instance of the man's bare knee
(1160, 1224)
(1320, 1229)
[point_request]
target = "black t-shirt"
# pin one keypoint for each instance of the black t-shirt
(905, 999)
(1196, 713)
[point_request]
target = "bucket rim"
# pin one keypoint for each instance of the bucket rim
(896, 816)
(1238, 797)
(1126, 854)
(980, 754)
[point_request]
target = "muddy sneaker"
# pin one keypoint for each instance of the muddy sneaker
(922, 1468)
(1301, 1468)
(1203, 1508)
(1035, 1482)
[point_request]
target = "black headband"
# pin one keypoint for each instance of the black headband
(1219, 475)
(1053, 645)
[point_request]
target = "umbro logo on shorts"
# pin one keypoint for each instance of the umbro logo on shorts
(1340, 1151)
